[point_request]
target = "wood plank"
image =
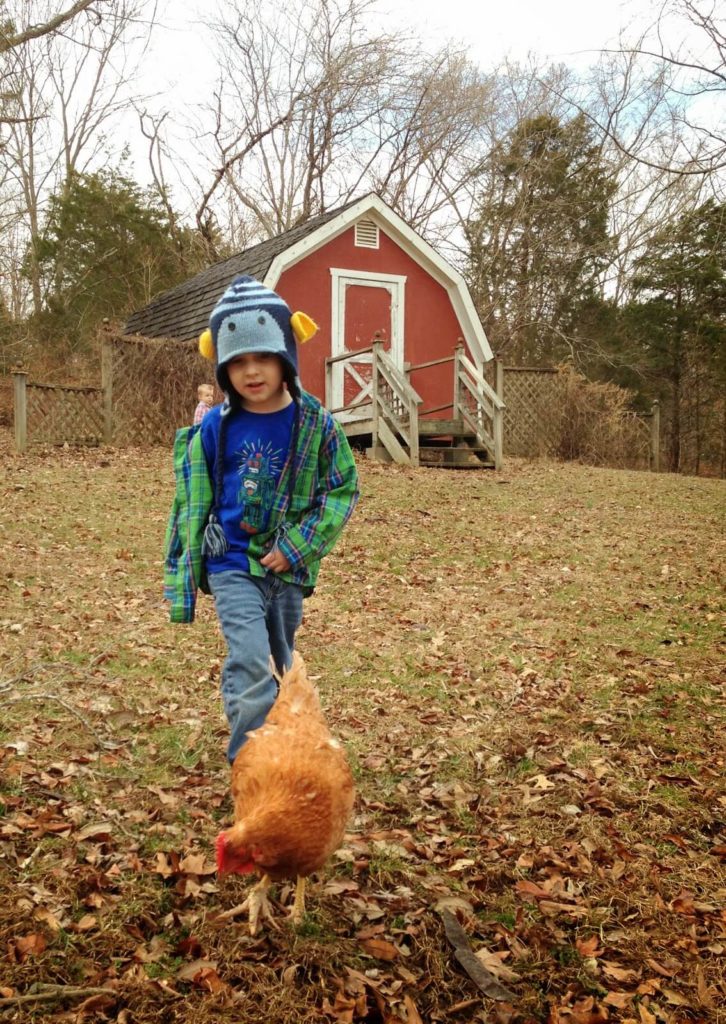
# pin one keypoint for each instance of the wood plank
(391, 443)
(455, 458)
(356, 428)
(442, 428)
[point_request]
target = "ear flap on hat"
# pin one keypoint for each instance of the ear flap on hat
(303, 327)
(206, 345)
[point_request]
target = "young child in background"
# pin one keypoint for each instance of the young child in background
(264, 488)
(205, 401)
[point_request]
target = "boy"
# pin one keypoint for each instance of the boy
(264, 487)
(205, 401)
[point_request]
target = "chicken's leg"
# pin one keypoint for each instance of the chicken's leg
(258, 905)
(298, 909)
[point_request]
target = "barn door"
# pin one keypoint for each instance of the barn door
(364, 305)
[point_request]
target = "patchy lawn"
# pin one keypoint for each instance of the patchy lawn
(527, 671)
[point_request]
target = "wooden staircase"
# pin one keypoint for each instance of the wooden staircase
(388, 411)
(452, 444)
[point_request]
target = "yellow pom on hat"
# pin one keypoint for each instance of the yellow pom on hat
(206, 345)
(303, 327)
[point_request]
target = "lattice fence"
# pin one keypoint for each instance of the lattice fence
(557, 412)
(531, 418)
(64, 415)
(153, 387)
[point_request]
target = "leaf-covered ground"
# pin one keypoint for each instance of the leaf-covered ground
(526, 669)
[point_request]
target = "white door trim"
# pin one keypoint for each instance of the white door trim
(395, 285)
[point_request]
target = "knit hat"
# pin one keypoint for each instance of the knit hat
(252, 318)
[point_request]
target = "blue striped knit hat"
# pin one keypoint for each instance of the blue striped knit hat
(252, 318)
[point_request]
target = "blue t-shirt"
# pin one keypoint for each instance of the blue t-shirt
(256, 447)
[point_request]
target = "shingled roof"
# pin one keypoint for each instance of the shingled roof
(183, 311)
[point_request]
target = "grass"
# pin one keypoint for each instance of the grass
(525, 668)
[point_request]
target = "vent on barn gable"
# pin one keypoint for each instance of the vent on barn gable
(366, 234)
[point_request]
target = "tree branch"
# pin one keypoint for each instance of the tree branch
(36, 31)
(52, 993)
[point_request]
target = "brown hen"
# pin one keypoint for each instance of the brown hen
(293, 794)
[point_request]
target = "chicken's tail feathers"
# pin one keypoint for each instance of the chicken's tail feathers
(296, 690)
(293, 671)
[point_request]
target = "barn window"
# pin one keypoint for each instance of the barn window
(366, 234)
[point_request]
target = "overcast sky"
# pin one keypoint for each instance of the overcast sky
(571, 31)
(567, 30)
(180, 69)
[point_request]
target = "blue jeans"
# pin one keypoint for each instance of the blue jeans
(259, 616)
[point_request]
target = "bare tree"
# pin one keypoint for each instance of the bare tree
(62, 91)
(293, 85)
(313, 108)
(11, 37)
(436, 133)
(666, 92)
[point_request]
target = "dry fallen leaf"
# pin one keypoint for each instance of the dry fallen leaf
(412, 1014)
(381, 949)
(622, 974)
(493, 963)
(646, 1016)
(197, 864)
(32, 944)
(187, 972)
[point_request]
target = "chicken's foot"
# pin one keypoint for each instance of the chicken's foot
(256, 906)
(259, 905)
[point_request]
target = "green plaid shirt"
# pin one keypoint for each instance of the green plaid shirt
(304, 529)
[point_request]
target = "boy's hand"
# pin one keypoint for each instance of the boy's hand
(275, 561)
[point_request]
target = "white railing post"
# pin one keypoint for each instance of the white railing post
(374, 393)
(458, 353)
(413, 427)
(20, 409)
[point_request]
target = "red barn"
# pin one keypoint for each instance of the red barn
(364, 275)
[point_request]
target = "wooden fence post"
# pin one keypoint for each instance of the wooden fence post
(499, 414)
(499, 376)
(655, 437)
(20, 409)
(107, 387)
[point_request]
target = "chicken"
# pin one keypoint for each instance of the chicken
(293, 794)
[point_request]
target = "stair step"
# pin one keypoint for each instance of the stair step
(455, 458)
(443, 428)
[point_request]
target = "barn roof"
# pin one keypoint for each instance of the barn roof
(183, 311)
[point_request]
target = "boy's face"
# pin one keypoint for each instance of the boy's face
(206, 393)
(257, 377)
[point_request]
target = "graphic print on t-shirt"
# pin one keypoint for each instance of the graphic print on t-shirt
(259, 468)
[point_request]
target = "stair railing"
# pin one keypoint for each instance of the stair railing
(478, 405)
(395, 409)
(393, 402)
